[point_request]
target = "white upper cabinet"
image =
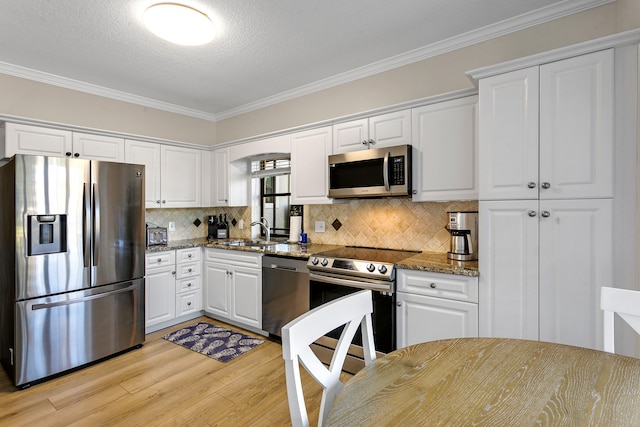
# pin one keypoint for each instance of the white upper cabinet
(576, 127)
(445, 149)
(26, 139)
(310, 151)
(220, 178)
(173, 175)
(385, 130)
(508, 135)
(147, 154)
(98, 147)
(180, 179)
(563, 152)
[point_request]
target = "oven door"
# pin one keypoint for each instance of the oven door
(324, 288)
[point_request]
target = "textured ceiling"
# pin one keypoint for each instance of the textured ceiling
(264, 48)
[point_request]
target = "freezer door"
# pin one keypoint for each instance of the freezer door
(51, 234)
(61, 332)
(118, 227)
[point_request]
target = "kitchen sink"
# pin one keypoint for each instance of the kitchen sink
(250, 243)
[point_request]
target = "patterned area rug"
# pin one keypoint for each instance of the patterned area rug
(219, 343)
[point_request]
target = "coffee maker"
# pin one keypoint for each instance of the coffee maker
(463, 227)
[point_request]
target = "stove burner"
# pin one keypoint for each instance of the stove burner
(359, 261)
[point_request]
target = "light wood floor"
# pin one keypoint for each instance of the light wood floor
(163, 384)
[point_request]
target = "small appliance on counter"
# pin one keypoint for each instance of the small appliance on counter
(218, 228)
(463, 227)
(156, 236)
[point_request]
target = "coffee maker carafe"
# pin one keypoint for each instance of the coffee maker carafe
(463, 227)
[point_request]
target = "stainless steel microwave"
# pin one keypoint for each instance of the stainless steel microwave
(377, 172)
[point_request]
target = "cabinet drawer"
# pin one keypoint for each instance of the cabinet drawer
(188, 270)
(188, 303)
(188, 284)
(160, 259)
(450, 286)
(188, 255)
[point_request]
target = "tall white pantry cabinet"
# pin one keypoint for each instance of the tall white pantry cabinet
(547, 196)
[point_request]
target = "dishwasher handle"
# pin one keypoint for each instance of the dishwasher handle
(283, 267)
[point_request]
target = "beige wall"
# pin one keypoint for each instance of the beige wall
(34, 100)
(437, 75)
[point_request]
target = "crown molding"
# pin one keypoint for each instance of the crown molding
(549, 13)
(64, 82)
(517, 23)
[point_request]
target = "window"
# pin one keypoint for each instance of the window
(275, 193)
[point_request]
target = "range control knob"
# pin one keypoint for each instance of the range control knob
(324, 262)
(382, 269)
(314, 261)
(371, 268)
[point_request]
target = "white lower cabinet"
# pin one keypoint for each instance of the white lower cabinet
(173, 290)
(233, 286)
(160, 288)
(435, 306)
(542, 265)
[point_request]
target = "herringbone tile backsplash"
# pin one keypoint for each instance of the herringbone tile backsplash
(395, 223)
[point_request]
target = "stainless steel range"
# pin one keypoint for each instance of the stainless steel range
(346, 270)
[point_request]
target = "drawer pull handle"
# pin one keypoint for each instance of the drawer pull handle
(189, 303)
(188, 285)
(159, 260)
(190, 270)
(433, 285)
(189, 256)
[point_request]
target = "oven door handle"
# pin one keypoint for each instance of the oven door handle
(350, 283)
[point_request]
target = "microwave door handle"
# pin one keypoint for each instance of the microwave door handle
(385, 171)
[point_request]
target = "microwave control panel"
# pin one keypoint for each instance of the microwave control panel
(397, 170)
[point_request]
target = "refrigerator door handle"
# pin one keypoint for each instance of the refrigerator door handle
(86, 225)
(96, 226)
(82, 299)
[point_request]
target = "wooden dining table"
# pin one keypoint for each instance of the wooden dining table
(492, 382)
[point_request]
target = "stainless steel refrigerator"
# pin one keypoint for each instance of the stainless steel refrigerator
(72, 250)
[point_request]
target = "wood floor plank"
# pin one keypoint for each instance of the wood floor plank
(163, 384)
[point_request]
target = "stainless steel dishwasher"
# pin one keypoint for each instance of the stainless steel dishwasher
(285, 292)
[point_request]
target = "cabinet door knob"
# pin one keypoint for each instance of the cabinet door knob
(164, 201)
(531, 184)
(372, 142)
(532, 213)
(189, 256)
(545, 214)
(399, 304)
(68, 153)
(76, 154)
(432, 285)
(159, 260)
(546, 185)
(364, 142)
(158, 201)
(189, 303)
(190, 270)
(173, 272)
(188, 285)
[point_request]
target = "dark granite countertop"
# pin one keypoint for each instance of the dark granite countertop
(434, 262)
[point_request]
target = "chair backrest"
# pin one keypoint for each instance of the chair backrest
(351, 311)
(624, 302)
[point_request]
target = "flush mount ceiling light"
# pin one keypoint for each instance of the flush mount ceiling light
(179, 24)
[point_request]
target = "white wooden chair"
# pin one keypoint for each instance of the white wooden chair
(624, 302)
(352, 311)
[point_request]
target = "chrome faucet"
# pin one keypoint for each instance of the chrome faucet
(264, 223)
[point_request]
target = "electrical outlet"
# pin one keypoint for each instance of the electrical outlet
(172, 226)
(240, 225)
(319, 227)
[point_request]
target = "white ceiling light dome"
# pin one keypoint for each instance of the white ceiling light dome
(179, 24)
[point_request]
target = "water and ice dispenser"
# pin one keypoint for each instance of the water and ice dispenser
(47, 234)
